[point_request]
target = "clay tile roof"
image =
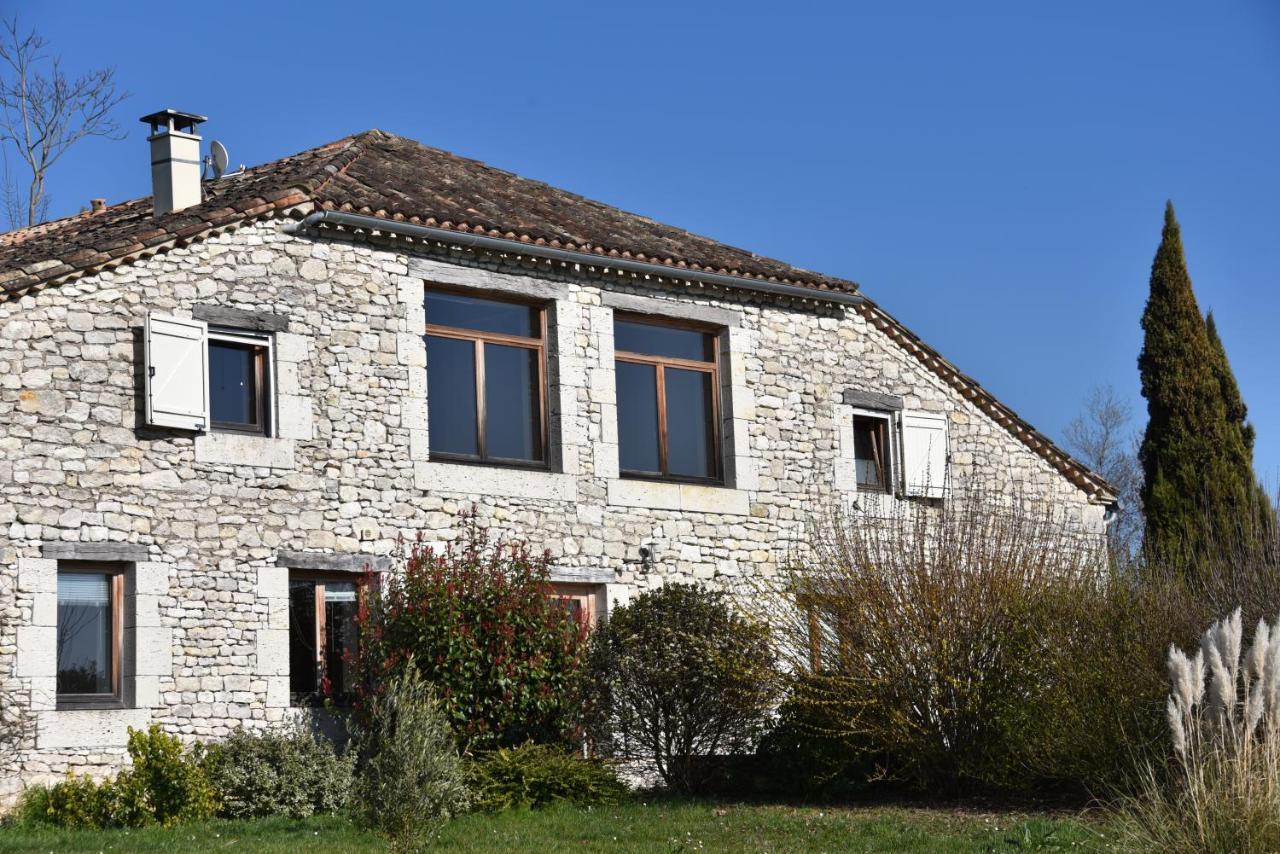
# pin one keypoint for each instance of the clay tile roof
(384, 175)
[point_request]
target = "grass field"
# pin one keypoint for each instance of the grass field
(638, 826)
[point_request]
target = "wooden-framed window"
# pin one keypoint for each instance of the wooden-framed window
(668, 392)
(582, 600)
(872, 452)
(322, 635)
(89, 634)
(486, 379)
(240, 382)
(830, 639)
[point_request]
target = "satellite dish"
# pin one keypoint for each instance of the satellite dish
(218, 152)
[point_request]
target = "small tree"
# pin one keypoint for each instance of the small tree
(43, 113)
(479, 622)
(1103, 438)
(676, 677)
(411, 776)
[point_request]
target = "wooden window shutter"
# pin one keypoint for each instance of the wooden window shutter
(177, 372)
(924, 454)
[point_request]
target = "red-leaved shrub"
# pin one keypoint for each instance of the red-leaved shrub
(478, 621)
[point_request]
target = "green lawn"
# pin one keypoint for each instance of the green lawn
(664, 827)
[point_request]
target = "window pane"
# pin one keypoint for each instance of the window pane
(451, 396)
(302, 638)
(869, 452)
(233, 382)
(513, 410)
(652, 340)
(84, 633)
(486, 315)
(690, 431)
(340, 604)
(638, 417)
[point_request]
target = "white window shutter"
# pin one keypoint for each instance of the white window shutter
(177, 372)
(924, 454)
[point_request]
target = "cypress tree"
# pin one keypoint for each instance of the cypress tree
(1200, 488)
(1237, 415)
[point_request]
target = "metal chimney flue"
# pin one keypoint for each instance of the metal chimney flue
(175, 160)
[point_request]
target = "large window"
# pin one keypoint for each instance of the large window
(486, 379)
(322, 637)
(668, 404)
(239, 382)
(88, 637)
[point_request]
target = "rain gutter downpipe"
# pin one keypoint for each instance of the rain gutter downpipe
(500, 244)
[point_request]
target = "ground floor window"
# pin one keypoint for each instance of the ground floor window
(584, 601)
(322, 637)
(89, 636)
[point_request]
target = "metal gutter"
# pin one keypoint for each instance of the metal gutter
(500, 244)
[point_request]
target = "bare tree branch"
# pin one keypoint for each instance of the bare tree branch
(1103, 439)
(43, 112)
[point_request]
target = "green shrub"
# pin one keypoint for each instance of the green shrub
(286, 772)
(535, 775)
(480, 624)
(165, 785)
(675, 677)
(410, 776)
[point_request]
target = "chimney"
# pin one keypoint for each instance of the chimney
(97, 205)
(175, 160)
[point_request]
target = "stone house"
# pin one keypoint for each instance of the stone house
(220, 403)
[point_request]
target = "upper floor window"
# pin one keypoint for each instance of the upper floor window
(239, 382)
(89, 637)
(486, 379)
(871, 456)
(668, 403)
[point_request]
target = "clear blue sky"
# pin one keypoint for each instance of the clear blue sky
(993, 173)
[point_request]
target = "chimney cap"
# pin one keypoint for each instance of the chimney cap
(163, 121)
(97, 205)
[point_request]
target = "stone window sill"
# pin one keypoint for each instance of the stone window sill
(96, 728)
(687, 497)
(499, 481)
(240, 449)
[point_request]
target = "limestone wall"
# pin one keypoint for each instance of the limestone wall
(203, 521)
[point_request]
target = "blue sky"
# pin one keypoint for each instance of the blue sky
(993, 173)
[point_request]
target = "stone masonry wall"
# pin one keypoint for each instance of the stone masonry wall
(205, 520)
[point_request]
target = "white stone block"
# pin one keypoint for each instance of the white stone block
(291, 347)
(37, 575)
(418, 447)
(296, 417)
(273, 582)
(152, 651)
(411, 350)
(100, 729)
(44, 609)
(145, 690)
(44, 693)
(237, 449)
(277, 692)
(714, 499)
(272, 650)
(486, 480)
(37, 651)
(148, 578)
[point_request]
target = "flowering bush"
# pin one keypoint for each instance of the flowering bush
(478, 622)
